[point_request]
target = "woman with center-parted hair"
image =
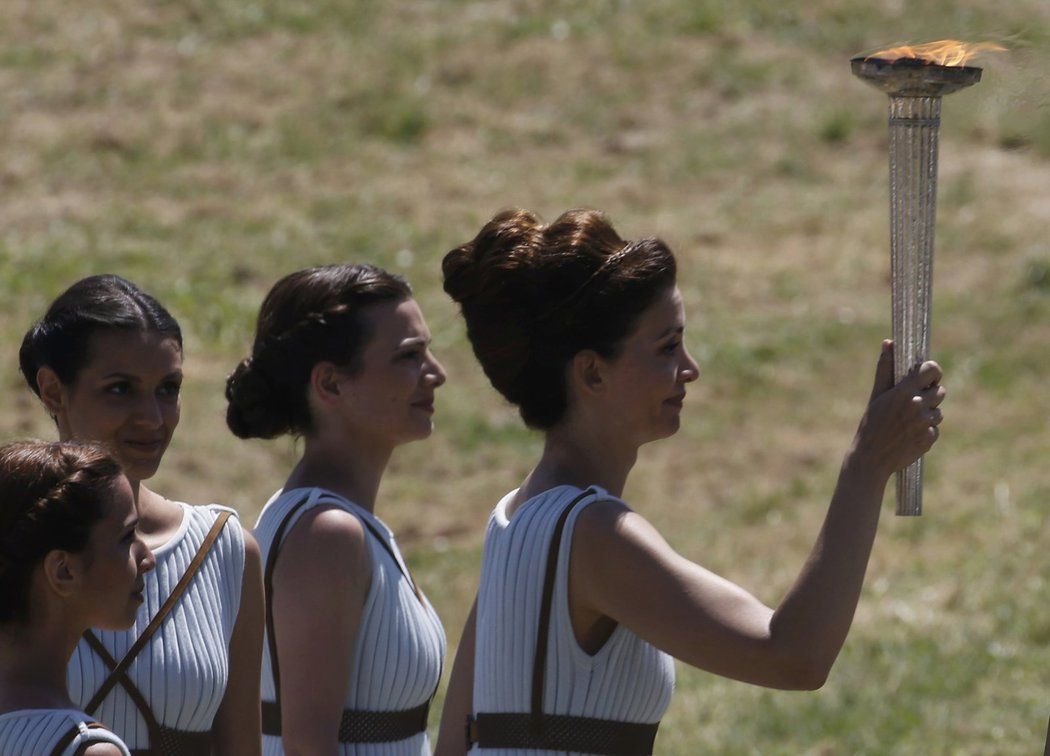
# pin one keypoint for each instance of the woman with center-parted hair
(70, 558)
(353, 648)
(582, 603)
(106, 361)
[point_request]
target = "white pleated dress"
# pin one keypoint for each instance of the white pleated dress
(183, 669)
(37, 732)
(400, 647)
(627, 680)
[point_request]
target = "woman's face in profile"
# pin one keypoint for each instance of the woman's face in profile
(125, 397)
(114, 562)
(647, 380)
(390, 397)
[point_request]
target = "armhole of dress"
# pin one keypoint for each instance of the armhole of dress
(89, 736)
(234, 533)
(561, 588)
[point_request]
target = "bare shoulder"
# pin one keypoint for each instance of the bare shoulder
(251, 547)
(326, 536)
(610, 523)
(100, 749)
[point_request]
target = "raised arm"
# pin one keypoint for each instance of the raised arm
(320, 584)
(459, 699)
(237, 723)
(711, 623)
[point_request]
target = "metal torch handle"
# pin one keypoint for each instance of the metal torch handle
(914, 123)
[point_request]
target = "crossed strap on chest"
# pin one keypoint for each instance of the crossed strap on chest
(557, 732)
(164, 741)
(355, 725)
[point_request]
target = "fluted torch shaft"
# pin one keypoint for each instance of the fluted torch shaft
(913, 128)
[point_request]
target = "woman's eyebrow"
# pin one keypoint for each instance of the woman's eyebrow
(669, 330)
(415, 341)
(125, 376)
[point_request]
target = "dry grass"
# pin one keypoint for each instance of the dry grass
(203, 149)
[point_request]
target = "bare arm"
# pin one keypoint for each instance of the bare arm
(320, 584)
(711, 623)
(459, 700)
(237, 724)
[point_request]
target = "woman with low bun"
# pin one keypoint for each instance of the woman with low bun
(70, 559)
(582, 603)
(106, 362)
(354, 650)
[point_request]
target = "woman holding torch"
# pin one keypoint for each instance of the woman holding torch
(582, 603)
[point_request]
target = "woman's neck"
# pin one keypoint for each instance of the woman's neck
(352, 470)
(578, 455)
(159, 518)
(33, 661)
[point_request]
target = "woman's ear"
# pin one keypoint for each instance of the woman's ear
(324, 382)
(587, 372)
(52, 392)
(63, 572)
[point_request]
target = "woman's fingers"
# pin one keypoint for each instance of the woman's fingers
(933, 396)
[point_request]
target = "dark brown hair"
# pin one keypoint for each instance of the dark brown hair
(310, 316)
(51, 495)
(534, 295)
(60, 339)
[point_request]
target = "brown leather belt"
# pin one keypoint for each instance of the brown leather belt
(167, 742)
(360, 726)
(557, 732)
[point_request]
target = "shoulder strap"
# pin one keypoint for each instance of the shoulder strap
(386, 546)
(539, 663)
(161, 615)
(71, 735)
(271, 563)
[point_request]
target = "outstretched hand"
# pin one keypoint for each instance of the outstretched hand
(901, 421)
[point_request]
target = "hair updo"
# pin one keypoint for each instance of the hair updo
(533, 296)
(310, 316)
(60, 339)
(51, 495)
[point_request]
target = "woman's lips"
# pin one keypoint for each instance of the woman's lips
(147, 447)
(426, 405)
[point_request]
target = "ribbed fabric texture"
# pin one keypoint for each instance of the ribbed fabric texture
(36, 732)
(183, 670)
(400, 646)
(628, 680)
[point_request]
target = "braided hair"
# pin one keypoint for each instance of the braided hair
(310, 316)
(51, 495)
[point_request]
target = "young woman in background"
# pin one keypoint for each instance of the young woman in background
(354, 650)
(582, 603)
(70, 558)
(106, 361)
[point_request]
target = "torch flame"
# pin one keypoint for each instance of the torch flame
(946, 52)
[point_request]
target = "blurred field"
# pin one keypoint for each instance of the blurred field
(202, 149)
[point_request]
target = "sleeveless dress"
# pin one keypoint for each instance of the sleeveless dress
(39, 732)
(183, 669)
(400, 645)
(627, 680)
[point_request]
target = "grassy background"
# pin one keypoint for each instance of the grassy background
(203, 148)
